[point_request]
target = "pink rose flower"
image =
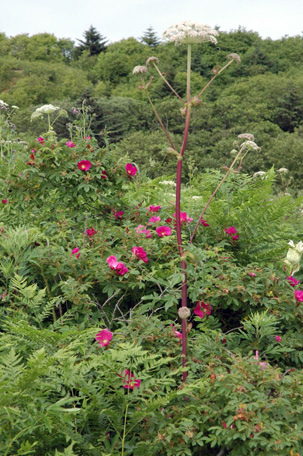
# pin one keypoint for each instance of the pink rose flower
(129, 380)
(292, 281)
(140, 253)
(204, 222)
(141, 229)
(206, 309)
(91, 232)
(104, 175)
(70, 144)
(278, 338)
(299, 295)
(154, 219)
(118, 214)
(163, 231)
(131, 169)
(104, 337)
(153, 208)
(84, 165)
(184, 218)
(231, 230)
(119, 267)
(252, 274)
(4, 201)
(176, 333)
(41, 140)
(76, 251)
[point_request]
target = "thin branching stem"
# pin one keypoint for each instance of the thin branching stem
(167, 83)
(213, 195)
(160, 120)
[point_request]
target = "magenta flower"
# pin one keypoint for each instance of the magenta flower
(84, 165)
(299, 295)
(119, 267)
(129, 381)
(112, 262)
(140, 253)
(184, 218)
(292, 281)
(278, 338)
(141, 229)
(104, 175)
(252, 274)
(163, 231)
(70, 144)
(104, 337)
(154, 219)
(91, 232)
(231, 230)
(263, 364)
(176, 333)
(118, 214)
(76, 251)
(153, 208)
(204, 222)
(235, 238)
(4, 201)
(131, 169)
(41, 140)
(206, 309)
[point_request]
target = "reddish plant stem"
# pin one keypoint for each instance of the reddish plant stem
(178, 221)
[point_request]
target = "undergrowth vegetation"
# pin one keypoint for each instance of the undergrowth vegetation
(92, 357)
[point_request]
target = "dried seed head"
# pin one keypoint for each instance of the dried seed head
(184, 312)
(234, 56)
(151, 59)
(139, 69)
(247, 136)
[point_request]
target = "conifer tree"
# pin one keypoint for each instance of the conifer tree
(150, 38)
(93, 42)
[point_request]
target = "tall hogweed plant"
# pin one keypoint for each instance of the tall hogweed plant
(188, 33)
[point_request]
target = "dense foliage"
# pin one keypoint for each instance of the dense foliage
(263, 95)
(90, 275)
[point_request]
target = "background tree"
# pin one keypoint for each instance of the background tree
(150, 38)
(93, 42)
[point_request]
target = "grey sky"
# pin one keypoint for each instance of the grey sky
(117, 19)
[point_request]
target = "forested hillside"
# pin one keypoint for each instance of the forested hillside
(262, 95)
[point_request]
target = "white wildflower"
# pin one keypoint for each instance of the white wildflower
(283, 170)
(45, 109)
(2, 103)
(139, 69)
(196, 197)
(168, 183)
(48, 109)
(251, 144)
(259, 173)
(190, 33)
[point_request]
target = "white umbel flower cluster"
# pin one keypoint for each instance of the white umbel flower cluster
(45, 109)
(2, 103)
(190, 33)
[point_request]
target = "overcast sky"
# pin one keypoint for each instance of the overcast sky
(117, 19)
